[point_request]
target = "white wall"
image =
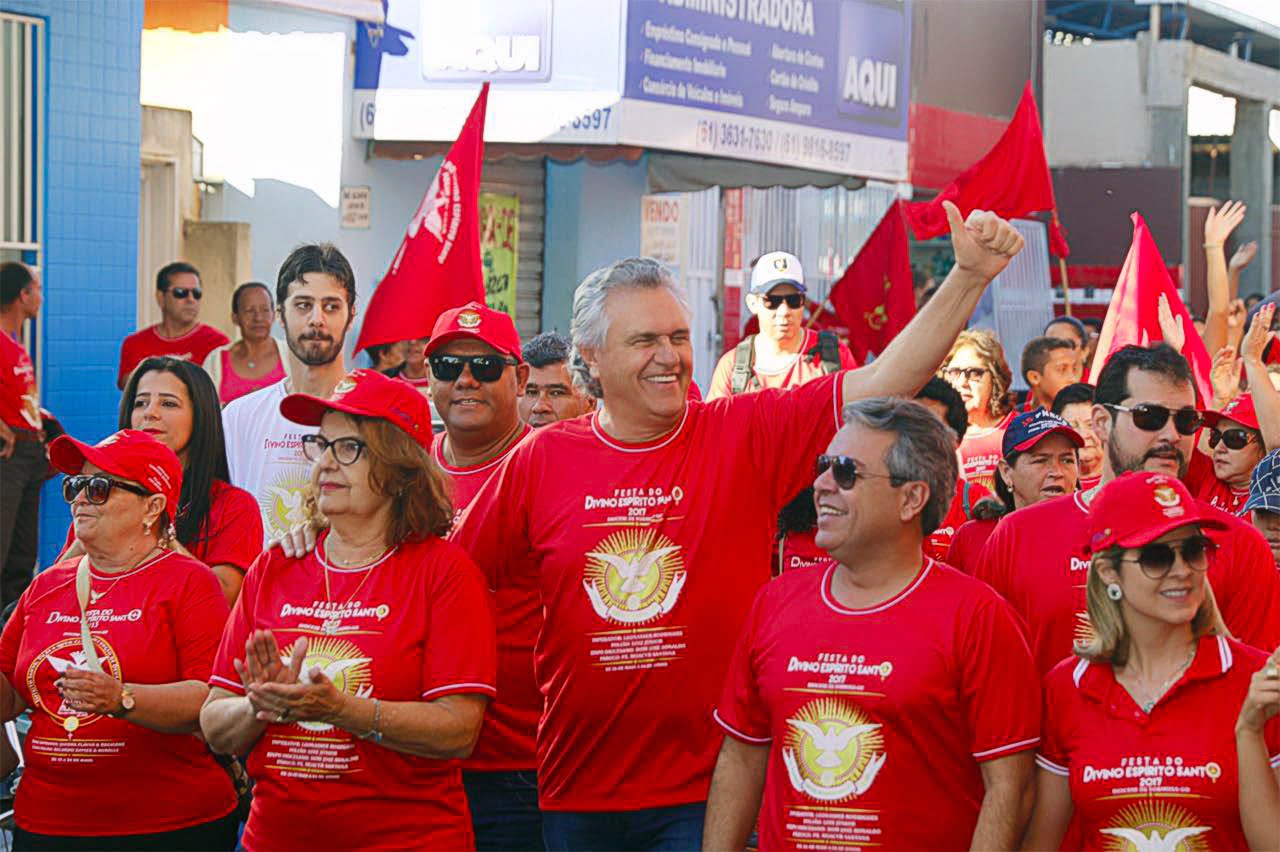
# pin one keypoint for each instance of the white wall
(1095, 110)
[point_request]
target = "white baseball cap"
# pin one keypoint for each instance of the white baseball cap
(774, 268)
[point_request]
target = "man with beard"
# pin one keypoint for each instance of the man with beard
(1038, 557)
(316, 298)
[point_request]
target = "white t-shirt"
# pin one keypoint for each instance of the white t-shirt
(264, 454)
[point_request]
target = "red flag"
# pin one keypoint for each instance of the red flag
(438, 264)
(1133, 316)
(874, 296)
(1012, 180)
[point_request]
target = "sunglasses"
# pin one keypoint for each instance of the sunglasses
(1156, 560)
(1151, 418)
(844, 470)
(484, 368)
(183, 292)
(794, 301)
(964, 374)
(97, 488)
(345, 450)
(1235, 439)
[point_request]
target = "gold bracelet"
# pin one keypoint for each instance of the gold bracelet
(1213, 245)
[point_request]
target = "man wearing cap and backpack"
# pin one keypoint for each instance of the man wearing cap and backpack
(784, 354)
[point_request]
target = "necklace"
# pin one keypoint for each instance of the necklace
(1147, 706)
(94, 597)
(333, 623)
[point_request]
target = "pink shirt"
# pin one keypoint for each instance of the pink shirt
(234, 385)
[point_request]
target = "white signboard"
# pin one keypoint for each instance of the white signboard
(356, 201)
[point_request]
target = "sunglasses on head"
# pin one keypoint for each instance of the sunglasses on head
(1151, 418)
(97, 488)
(844, 470)
(484, 368)
(794, 301)
(1155, 560)
(183, 292)
(1235, 439)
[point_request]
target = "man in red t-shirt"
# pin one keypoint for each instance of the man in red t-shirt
(1038, 557)
(646, 529)
(1234, 440)
(179, 333)
(22, 458)
(886, 686)
(785, 354)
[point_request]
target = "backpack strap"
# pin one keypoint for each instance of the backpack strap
(828, 351)
(744, 361)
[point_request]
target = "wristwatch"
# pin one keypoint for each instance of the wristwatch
(126, 703)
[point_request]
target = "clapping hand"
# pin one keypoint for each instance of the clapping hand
(1263, 699)
(262, 665)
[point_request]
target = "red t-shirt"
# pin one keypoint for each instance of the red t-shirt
(1205, 485)
(805, 368)
(800, 550)
(19, 404)
(1038, 558)
(967, 544)
(415, 626)
(507, 740)
(867, 710)
(194, 346)
(938, 543)
(1169, 773)
(981, 450)
(87, 774)
(648, 556)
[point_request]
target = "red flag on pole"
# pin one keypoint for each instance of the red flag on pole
(438, 264)
(1012, 180)
(874, 298)
(1133, 316)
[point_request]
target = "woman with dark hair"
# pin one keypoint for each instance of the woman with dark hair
(221, 525)
(255, 360)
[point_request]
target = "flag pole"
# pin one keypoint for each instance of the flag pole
(822, 307)
(1066, 290)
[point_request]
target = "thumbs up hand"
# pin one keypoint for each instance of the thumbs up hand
(984, 243)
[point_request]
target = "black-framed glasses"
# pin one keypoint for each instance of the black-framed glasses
(794, 301)
(1150, 417)
(97, 488)
(1235, 438)
(844, 470)
(964, 374)
(1155, 560)
(345, 450)
(187, 292)
(484, 368)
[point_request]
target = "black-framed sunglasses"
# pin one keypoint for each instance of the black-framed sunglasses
(345, 450)
(97, 488)
(772, 301)
(1235, 438)
(185, 292)
(484, 368)
(844, 470)
(1155, 560)
(1151, 418)
(964, 374)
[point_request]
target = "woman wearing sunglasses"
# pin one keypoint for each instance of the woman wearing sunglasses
(174, 402)
(1139, 747)
(112, 651)
(977, 369)
(1233, 439)
(354, 676)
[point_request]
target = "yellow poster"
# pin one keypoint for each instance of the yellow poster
(499, 241)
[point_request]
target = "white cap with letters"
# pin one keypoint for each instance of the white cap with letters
(774, 268)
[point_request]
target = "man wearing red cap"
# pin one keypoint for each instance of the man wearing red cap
(646, 529)
(1235, 441)
(1038, 557)
(316, 298)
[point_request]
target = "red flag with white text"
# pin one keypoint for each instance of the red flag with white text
(437, 266)
(874, 298)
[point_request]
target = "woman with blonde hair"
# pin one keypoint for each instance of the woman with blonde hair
(1139, 740)
(977, 369)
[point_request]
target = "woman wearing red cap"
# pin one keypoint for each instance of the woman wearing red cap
(112, 652)
(1139, 747)
(355, 674)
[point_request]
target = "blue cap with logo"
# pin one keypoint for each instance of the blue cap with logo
(1264, 484)
(1031, 427)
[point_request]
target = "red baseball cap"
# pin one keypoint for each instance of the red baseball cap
(1239, 410)
(129, 454)
(369, 394)
(1137, 508)
(474, 321)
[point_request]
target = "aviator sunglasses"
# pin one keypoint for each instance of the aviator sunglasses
(844, 470)
(97, 488)
(1235, 439)
(1151, 418)
(183, 292)
(484, 368)
(1155, 560)
(794, 301)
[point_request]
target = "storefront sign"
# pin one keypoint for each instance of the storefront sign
(355, 208)
(499, 241)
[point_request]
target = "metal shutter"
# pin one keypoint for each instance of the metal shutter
(526, 179)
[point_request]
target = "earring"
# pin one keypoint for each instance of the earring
(1114, 591)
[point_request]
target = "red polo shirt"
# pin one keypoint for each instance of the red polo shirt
(967, 544)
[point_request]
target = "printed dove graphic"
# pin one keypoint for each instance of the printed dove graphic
(76, 662)
(633, 571)
(292, 502)
(330, 670)
(830, 743)
(1153, 842)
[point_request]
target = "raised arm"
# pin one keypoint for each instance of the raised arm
(1218, 225)
(1259, 782)
(1266, 400)
(984, 244)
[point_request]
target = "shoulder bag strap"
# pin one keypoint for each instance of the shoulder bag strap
(82, 593)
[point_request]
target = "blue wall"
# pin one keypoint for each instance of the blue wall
(92, 143)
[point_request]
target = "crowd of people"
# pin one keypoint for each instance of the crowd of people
(502, 594)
